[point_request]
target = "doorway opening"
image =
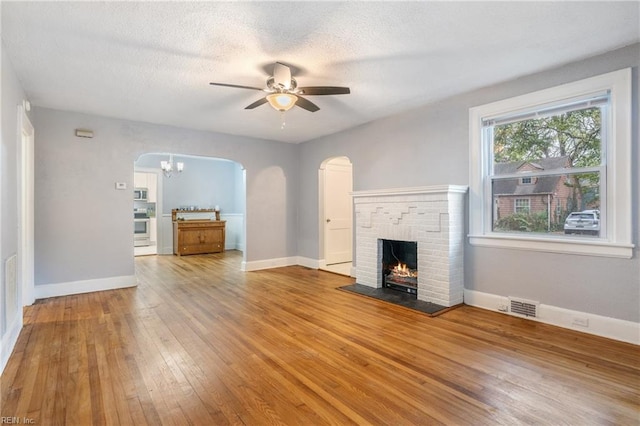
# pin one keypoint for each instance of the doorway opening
(147, 230)
(207, 188)
(336, 215)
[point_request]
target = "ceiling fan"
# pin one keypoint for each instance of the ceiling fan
(284, 93)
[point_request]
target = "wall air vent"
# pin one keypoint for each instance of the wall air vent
(525, 308)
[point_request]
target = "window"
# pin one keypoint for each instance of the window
(573, 141)
(562, 148)
(522, 205)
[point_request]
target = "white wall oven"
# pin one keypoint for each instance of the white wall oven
(141, 230)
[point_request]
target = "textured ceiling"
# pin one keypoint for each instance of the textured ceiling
(152, 61)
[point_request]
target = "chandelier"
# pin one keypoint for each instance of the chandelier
(169, 167)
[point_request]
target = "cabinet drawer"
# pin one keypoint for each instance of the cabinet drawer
(201, 248)
(187, 225)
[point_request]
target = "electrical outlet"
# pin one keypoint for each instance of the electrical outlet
(581, 321)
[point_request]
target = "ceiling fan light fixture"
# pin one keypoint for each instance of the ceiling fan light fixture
(282, 101)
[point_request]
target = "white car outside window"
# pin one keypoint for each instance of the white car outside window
(584, 222)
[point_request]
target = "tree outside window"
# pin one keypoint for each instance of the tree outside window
(561, 154)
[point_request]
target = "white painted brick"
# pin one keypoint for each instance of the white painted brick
(431, 216)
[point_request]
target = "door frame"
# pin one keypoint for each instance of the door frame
(322, 262)
(26, 226)
(158, 173)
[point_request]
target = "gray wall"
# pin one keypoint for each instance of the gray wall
(432, 144)
(12, 97)
(205, 182)
(83, 224)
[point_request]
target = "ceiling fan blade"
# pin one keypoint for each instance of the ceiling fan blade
(237, 86)
(257, 103)
(323, 90)
(282, 75)
(307, 104)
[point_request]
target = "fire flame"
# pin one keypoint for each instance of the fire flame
(401, 270)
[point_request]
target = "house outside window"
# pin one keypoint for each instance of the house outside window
(545, 195)
(572, 141)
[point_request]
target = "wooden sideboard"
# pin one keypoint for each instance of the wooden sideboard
(198, 236)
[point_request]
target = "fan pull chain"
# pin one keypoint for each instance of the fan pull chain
(282, 118)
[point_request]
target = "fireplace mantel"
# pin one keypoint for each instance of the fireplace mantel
(435, 189)
(432, 216)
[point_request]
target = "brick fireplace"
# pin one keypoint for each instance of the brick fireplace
(433, 217)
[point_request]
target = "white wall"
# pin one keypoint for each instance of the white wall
(430, 146)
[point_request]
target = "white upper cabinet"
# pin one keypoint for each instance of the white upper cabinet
(140, 180)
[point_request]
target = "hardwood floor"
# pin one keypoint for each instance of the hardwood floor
(199, 342)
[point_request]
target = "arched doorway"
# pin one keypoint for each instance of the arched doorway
(205, 183)
(336, 215)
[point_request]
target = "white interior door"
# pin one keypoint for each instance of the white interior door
(338, 211)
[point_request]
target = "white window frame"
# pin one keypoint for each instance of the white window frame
(528, 203)
(529, 178)
(617, 196)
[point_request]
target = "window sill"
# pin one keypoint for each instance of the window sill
(554, 245)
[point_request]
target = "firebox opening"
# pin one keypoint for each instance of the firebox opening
(400, 265)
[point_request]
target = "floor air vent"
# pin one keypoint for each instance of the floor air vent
(526, 308)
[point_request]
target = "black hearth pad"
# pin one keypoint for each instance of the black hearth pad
(397, 298)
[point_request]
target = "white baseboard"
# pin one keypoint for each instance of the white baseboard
(612, 328)
(9, 340)
(256, 265)
(280, 262)
(85, 286)
(308, 262)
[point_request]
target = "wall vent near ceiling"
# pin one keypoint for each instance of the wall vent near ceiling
(526, 308)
